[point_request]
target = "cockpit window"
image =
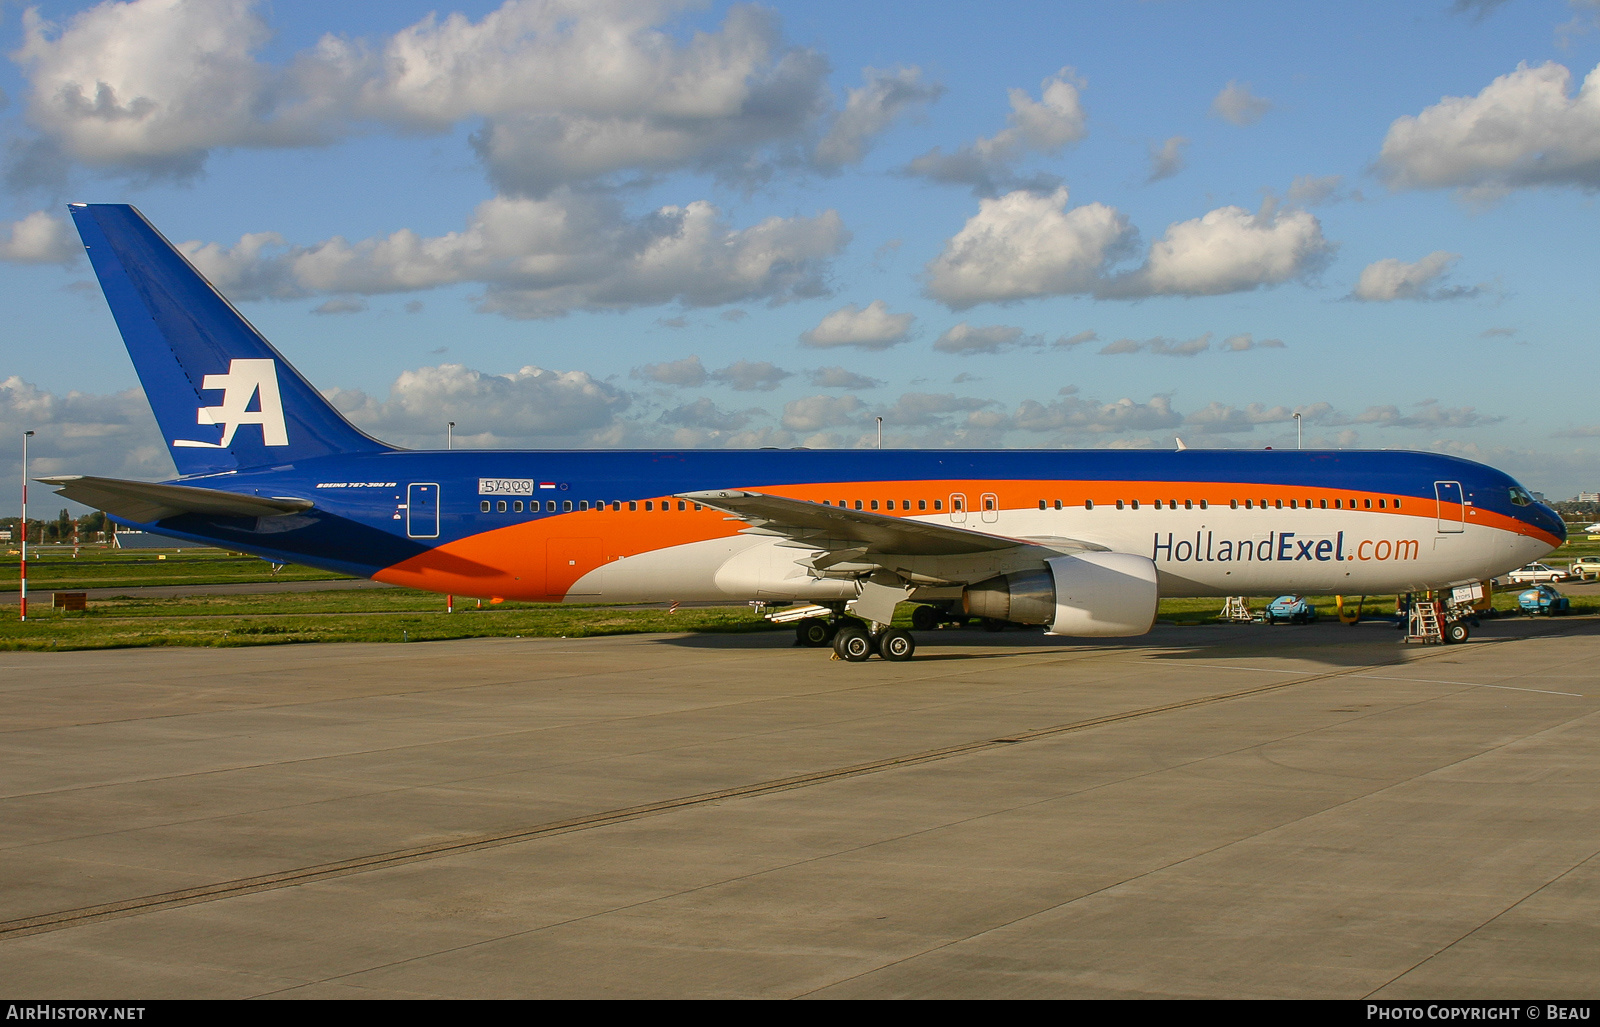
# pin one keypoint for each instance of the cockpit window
(1520, 496)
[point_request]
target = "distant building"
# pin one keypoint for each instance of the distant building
(1589, 497)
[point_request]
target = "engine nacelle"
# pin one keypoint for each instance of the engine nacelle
(1103, 595)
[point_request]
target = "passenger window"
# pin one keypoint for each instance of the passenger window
(1247, 505)
(484, 506)
(616, 506)
(858, 504)
(516, 507)
(1088, 504)
(922, 504)
(1204, 505)
(1041, 504)
(549, 505)
(988, 504)
(1366, 504)
(1292, 505)
(1277, 504)
(1381, 504)
(1397, 504)
(938, 504)
(633, 504)
(1188, 504)
(500, 507)
(649, 505)
(955, 504)
(1119, 504)
(874, 504)
(566, 506)
(1158, 504)
(1136, 504)
(1058, 504)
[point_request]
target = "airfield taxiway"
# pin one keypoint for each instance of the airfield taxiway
(1205, 811)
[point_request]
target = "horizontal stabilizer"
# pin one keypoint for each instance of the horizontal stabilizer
(147, 502)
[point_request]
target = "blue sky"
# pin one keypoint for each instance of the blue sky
(1044, 225)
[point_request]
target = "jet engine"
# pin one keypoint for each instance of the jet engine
(1091, 594)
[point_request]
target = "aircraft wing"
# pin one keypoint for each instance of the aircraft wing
(860, 532)
(147, 502)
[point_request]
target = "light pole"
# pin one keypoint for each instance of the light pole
(24, 569)
(1296, 431)
(450, 435)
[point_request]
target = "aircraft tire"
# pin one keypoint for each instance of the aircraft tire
(926, 618)
(813, 632)
(1457, 631)
(896, 645)
(852, 643)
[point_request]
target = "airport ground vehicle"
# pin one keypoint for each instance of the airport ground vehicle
(1081, 542)
(1543, 599)
(1584, 566)
(1536, 572)
(1293, 609)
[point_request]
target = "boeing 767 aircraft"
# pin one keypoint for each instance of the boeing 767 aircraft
(1083, 542)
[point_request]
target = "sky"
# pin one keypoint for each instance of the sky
(608, 224)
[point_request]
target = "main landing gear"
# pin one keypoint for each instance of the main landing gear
(855, 640)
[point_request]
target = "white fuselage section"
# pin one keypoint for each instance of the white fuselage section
(1211, 552)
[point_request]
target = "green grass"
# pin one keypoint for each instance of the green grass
(53, 567)
(399, 615)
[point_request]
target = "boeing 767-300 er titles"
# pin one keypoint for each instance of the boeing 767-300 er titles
(1082, 542)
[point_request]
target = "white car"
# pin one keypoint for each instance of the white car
(1535, 573)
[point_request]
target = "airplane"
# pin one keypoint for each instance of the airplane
(1084, 543)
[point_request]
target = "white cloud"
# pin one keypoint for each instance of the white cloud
(1392, 279)
(544, 258)
(489, 410)
(921, 408)
(1023, 245)
(1047, 125)
(1161, 346)
(1523, 129)
(814, 413)
(705, 414)
(751, 376)
(39, 239)
(1229, 250)
(566, 91)
(79, 433)
(1311, 190)
(688, 372)
(872, 327)
(1246, 341)
(1071, 415)
(1168, 160)
(838, 378)
(1238, 106)
(966, 338)
(869, 110)
(341, 305)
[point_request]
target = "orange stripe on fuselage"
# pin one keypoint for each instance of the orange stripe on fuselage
(537, 559)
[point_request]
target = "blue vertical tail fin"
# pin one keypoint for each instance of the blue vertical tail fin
(224, 398)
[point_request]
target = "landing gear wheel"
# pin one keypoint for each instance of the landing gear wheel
(993, 624)
(896, 644)
(926, 618)
(852, 643)
(1456, 631)
(813, 632)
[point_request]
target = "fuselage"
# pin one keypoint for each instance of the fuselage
(607, 526)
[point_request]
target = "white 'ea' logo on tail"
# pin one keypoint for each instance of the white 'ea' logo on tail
(245, 380)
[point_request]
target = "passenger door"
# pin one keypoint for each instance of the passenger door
(1452, 511)
(422, 510)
